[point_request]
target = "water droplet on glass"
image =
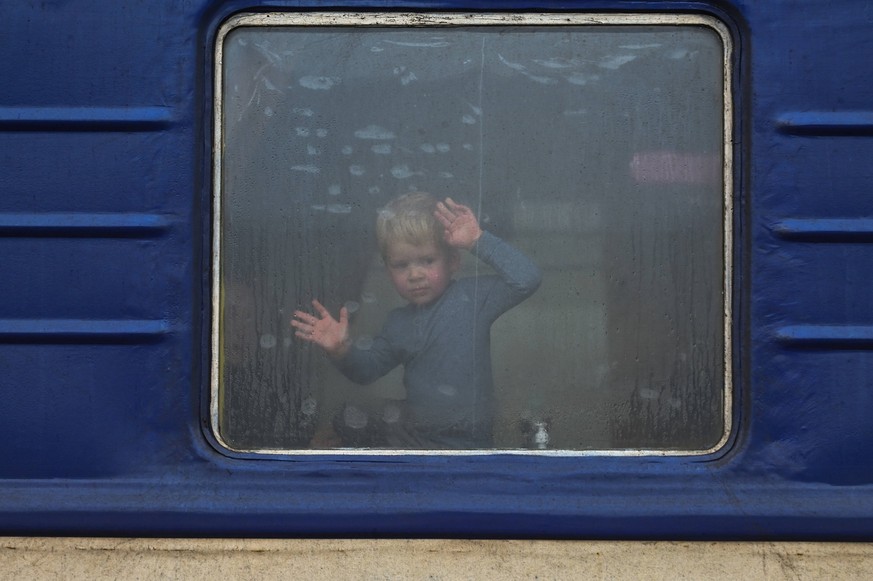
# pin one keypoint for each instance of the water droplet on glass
(268, 341)
(468, 120)
(364, 342)
(357, 170)
(354, 418)
(334, 189)
(352, 306)
(368, 297)
(308, 406)
(447, 390)
(374, 132)
(427, 148)
(319, 83)
(401, 172)
(391, 414)
(306, 168)
(443, 147)
(381, 149)
(648, 393)
(614, 62)
(581, 78)
(339, 208)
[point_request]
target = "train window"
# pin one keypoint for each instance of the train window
(592, 150)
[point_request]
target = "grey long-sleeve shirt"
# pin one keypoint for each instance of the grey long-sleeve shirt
(445, 347)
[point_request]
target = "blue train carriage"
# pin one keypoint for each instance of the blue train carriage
(689, 178)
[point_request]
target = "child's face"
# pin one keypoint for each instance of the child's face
(420, 272)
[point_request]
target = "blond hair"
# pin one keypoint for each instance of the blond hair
(410, 218)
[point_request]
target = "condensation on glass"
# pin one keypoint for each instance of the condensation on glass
(598, 145)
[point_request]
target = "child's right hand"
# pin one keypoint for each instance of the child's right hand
(328, 333)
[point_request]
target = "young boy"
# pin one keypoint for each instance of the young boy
(443, 336)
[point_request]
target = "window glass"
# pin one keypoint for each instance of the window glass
(592, 148)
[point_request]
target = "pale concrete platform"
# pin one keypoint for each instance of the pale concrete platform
(209, 559)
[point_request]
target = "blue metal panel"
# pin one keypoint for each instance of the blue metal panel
(810, 283)
(104, 252)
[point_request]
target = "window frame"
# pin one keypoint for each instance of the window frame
(470, 19)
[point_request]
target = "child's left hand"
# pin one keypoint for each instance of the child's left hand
(462, 227)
